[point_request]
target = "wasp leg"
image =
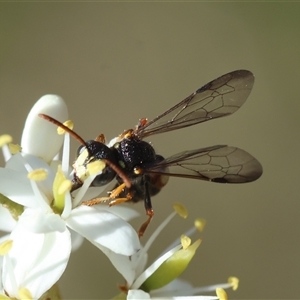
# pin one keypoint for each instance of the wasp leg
(113, 194)
(117, 191)
(95, 201)
(144, 226)
(148, 207)
(120, 200)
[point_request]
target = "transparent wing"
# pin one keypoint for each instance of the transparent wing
(220, 97)
(220, 163)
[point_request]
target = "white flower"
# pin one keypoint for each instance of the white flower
(159, 280)
(35, 261)
(41, 238)
(139, 294)
(7, 222)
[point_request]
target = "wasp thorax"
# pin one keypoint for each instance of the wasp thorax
(133, 152)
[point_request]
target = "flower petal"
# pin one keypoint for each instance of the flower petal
(104, 228)
(26, 163)
(38, 220)
(137, 294)
(177, 287)
(36, 260)
(76, 239)
(124, 212)
(38, 132)
(10, 179)
(122, 263)
(188, 298)
(7, 221)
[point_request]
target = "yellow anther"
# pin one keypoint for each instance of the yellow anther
(37, 175)
(200, 224)
(181, 210)
(222, 295)
(25, 294)
(234, 281)
(5, 247)
(14, 148)
(5, 139)
(96, 166)
(68, 123)
(185, 241)
(64, 187)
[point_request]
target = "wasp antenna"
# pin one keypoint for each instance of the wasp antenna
(64, 127)
(119, 172)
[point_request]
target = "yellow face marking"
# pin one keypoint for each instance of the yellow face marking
(84, 166)
(80, 165)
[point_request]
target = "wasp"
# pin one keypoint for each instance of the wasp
(141, 173)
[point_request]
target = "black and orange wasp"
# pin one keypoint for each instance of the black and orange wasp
(141, 173)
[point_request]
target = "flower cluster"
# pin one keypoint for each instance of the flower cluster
(45, 221)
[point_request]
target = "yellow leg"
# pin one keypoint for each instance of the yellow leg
(112, 198)
(117, 191)
(95, 201)
(118, 201)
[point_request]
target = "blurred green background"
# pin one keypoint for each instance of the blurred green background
(114, 63)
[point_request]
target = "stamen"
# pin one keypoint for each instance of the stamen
(221, 294)
(155, 234)
(64, 187)
(37, 175)
(68, 206)
(189, 232)
(185, 241)
(61, 186)
(66, 154)
(37, 190)
(24, 162)
(234, 281)
(38, 194)
(14, 148)
(200, 224)
(25, 294)
(181, 210)
(5, 139)
(5, 247)
(81, 192)
(68, 124)
(6, 153)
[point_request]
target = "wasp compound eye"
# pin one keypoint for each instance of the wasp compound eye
(80, 149)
